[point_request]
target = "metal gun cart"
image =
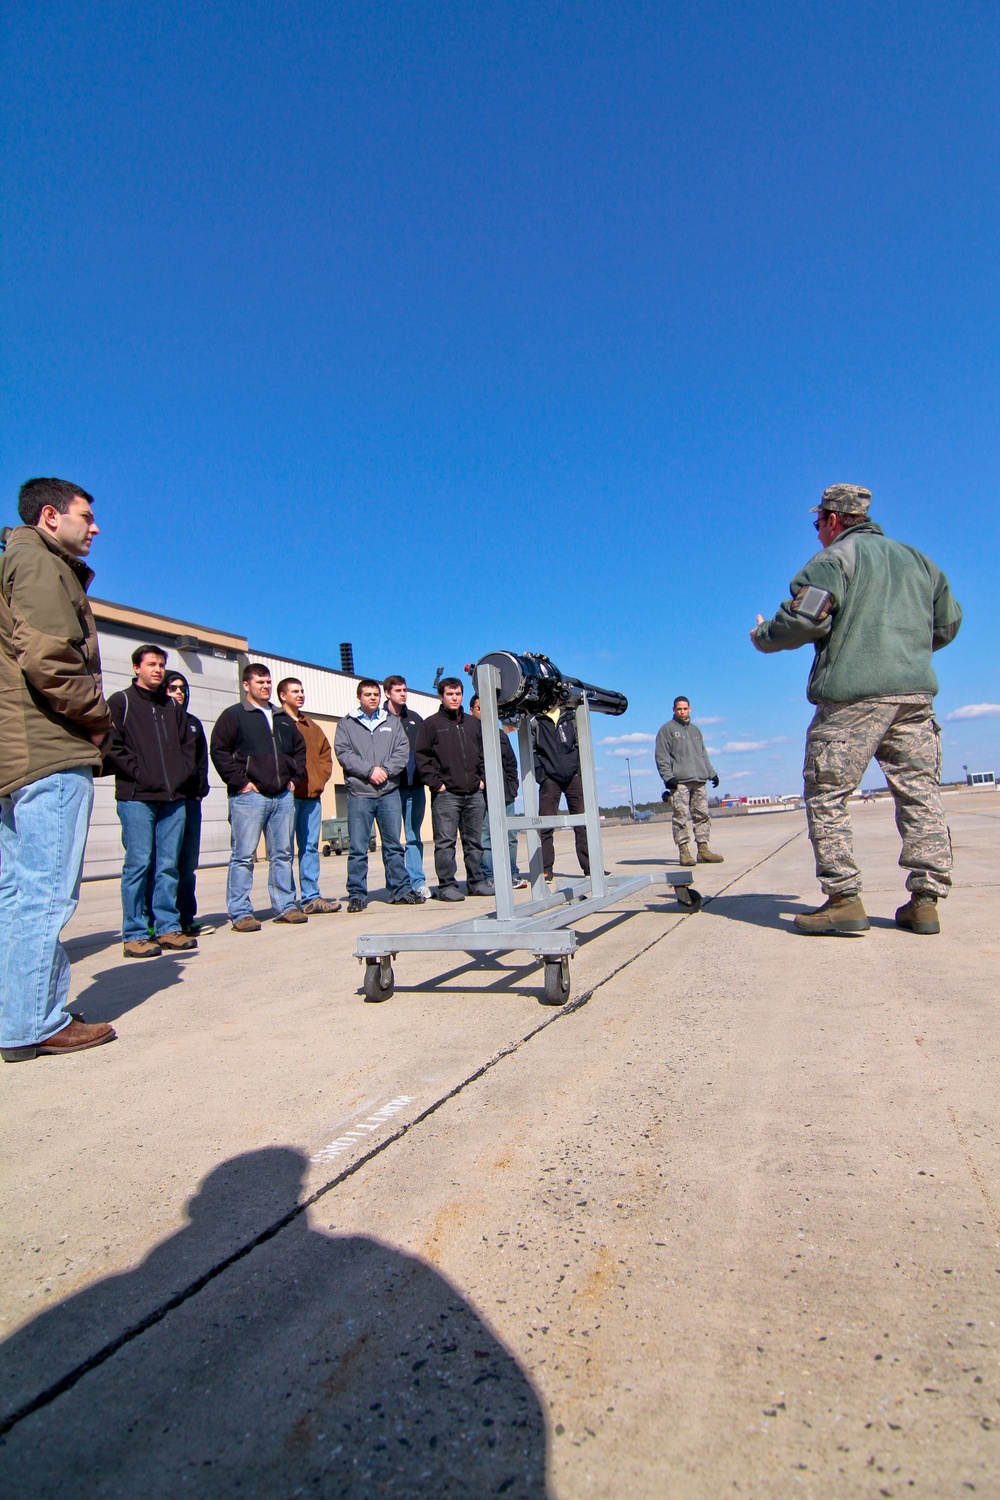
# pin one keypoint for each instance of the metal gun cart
(517, 686)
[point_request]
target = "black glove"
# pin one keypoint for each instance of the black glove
(671, 787)
(715, 781)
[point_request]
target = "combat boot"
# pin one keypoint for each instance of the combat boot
(838, 914)
(706, 857)
(920, 914)
(684, 855)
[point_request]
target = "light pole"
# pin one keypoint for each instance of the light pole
(631, 798)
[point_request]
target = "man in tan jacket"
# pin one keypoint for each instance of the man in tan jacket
(53, 722)
(308, 798)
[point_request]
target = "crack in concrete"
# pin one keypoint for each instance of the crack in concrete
(107, 1351)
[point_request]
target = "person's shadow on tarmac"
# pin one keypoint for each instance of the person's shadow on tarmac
(313, 1365)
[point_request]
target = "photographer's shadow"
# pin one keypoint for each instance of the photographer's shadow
(313, 1364)
(760, 909)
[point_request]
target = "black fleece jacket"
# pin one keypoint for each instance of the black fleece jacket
(449, 751)
(247, 747)
(508, 762)
(557, 754)
(152, 748)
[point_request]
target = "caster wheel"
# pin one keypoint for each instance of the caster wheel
(326, 851)
(687, 897)
(556, 981)
(379, 979)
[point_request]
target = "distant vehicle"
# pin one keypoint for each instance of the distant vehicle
(641, 817)
(336, 839)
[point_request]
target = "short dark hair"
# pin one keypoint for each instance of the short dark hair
(473, 700)
(368, 682)
(286, 683)
(391, 682)
(141, 652)
(255, 669)
(681, 699)
(449, 682)
(36, 493)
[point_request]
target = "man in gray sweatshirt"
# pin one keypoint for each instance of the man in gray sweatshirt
(373, 749)
(683, 763)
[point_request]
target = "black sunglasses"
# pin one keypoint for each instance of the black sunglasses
(824, 515)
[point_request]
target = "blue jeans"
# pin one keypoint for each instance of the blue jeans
(43, 833)
(187, 866)
(152, 834)
(362, 812)
(413, 800)
(250, 815)
(308, 822)
(488, 848)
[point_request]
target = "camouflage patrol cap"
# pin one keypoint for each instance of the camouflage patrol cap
(845, 500)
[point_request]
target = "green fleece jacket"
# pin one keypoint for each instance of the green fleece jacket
(889, 609)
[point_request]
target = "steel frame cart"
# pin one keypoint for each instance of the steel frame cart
(543, 924)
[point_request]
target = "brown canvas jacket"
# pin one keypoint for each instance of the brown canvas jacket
(319, 759)
(51, 695)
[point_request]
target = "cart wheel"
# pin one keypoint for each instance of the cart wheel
(688, 897)
(556, 981)
(338, 852)
(379, 978)
(326, 851)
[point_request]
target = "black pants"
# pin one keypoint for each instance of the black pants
(453, 813)
(548, 802)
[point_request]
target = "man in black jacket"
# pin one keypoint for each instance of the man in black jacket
(152, 752)
(260, 755)
(449, 757)
(557, 769)
(511, 784)
(194, 791)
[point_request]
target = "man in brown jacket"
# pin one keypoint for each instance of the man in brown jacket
(53, 722)
(308, 798)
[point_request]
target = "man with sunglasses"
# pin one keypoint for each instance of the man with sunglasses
(874, 611)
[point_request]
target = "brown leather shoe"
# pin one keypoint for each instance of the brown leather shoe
(319, 906)
(292, 915)
(76, 1037)
(177, 942)
(141, 948)
(246, 924)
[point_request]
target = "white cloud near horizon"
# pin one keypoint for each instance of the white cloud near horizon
(974, 711)
(630, 751)
(628, 739)
(747, 747)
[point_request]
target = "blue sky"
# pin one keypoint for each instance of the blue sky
(456, 327)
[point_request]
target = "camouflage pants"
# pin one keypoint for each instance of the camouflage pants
(905, 740)
(689, 805)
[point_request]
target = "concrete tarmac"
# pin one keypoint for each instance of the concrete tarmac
(728, 1223)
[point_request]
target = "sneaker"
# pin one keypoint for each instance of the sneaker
(424, 892)
(449, 893)
(484, 888)
(548, 876)
(520, 884)
(292, 916)
(141, 948)
(246, 924)
(356, 904)
(837, 916)
(176, 942)
(920, 914)
(405, 898)
(319, 906)
(706, 857)
(193, 929)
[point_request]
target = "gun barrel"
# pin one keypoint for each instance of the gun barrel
(530, 683)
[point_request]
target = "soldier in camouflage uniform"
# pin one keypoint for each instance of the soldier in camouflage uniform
(874, 610)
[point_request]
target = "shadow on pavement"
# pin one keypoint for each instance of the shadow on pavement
(315, 1364)
(114, 992)
(760, 910)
